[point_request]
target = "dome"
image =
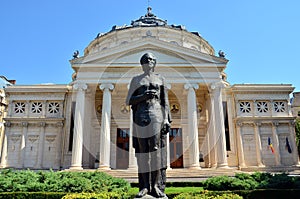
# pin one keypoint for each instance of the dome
(149, 26)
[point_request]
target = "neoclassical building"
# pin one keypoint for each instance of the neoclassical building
(86, 124)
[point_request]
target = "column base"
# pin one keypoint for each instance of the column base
(3, 166)
(195, 167)
(223, 166)
(132, 168)
(261, 165)
(75, 168)
(102, 167)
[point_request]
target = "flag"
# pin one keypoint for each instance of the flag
(287, 145)
(270, 145)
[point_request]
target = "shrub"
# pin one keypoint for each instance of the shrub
(31, 195)
(208, 195)
(243, 181)
(75, 182)
(104, 195)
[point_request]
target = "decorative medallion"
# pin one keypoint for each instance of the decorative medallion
(174, 108)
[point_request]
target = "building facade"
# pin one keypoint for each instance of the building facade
(86, 124)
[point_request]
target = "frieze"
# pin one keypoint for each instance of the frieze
(261, 96)
(37, 97)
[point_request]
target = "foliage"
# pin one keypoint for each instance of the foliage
(208, 195)
(103, 195)
(31, 195)
(74, 182)
(257, 180)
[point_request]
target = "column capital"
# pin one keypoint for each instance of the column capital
(42, 124)
(24, 124)
(216, 85)
(258, 124)
(240, 124)
(59, 124)
(7, 124)
(168, 86)
(80, 86)
(189, 86)
(106, 86)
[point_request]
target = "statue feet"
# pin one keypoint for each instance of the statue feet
(142, 193)
(156, 192)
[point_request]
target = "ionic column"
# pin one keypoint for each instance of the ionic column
(276, 143)
(78, 126)
(41, 146)
(4, 145)
(132, 160)
(23, 143)
(216, 89)
(258, 145)
(104, 161)
(241, 156)
(211, 135)
(192, 125)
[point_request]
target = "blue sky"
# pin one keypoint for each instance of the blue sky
(259, 37)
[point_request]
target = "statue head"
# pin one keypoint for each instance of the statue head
(148, 62)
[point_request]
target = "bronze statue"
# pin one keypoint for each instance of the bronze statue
(148, 98)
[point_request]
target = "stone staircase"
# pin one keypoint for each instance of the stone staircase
(196, 175)
(176, 175)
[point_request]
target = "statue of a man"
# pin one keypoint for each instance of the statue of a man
(148, 98)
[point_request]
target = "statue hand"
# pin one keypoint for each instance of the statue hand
(166, 128)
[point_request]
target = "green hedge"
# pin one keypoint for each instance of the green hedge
(103, 195)
(208, 195)
(67, 182)
(243, 181)
(31, 195)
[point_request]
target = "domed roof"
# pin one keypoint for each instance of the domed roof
(149, 26)
(149, 20)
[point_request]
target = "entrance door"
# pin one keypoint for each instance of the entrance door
(122, 148)
(176, 152)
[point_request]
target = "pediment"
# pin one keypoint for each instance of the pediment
(166, 53)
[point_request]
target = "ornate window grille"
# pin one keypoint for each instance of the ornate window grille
(279, 107)
(53, 107)
(245, 107)
(19, 107)
(36, 107)
(262, 107)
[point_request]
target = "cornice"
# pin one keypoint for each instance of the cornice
(33, 120)
(38, 89)
(262, 88)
